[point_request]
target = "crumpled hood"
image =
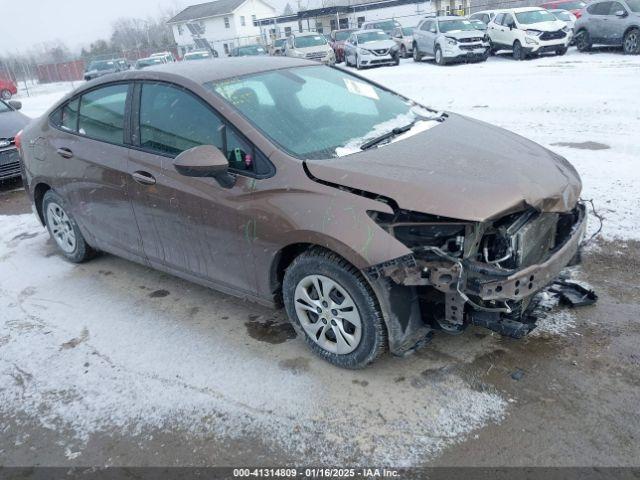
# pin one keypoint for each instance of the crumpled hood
(11, 123)
(463, 169)
(378, 45)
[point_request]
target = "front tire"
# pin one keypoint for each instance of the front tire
(561, 51)
(631, 42)
(358, 66)
(440, 60)
(518, 51)
(5, 94)
(334, 308)
(64, 230)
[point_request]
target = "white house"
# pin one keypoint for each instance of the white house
(224, 23)
(353, 13)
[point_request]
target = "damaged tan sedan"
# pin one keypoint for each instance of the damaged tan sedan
(373, 219)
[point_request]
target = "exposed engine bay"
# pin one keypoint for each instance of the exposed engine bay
(482, 273)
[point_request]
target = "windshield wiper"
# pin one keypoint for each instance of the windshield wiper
(385, 136)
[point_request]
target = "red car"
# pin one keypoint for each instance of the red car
(574, 6)
(7, 89)
(337, 39)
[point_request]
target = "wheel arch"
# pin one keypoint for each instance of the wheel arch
(38, 196)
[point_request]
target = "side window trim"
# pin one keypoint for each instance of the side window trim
(79, 96)
(135, 116)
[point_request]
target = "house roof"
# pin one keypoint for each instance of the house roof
(205, 10)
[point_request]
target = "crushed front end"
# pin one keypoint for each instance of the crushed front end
(483, 273)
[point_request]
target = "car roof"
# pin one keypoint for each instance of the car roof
(450, 17)
(522, 9)
(306, 34)
(203, 72)
(369, 30)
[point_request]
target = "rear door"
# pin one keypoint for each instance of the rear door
(191, 226)
(89, 153)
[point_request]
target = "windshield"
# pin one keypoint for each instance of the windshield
(4, 107)
(479, 24)
(251, 50)
(535, 16)
(634, 5)
(343, 35)
(103, 65)
(145, 62)
(455, 25)
(407, 31)
(309, 41)
(316, 112)
(372, 37)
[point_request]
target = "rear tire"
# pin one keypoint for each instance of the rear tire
(631, 42)
(583, 41)
(326, 297)
(64, 230)
(5, 94)
(403, 51)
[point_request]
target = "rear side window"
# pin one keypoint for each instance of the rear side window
(172, 121)
(615, 8)
(102, 113)
(498, 19)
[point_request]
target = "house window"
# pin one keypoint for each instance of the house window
(253, 19)
(226, 22)
(242, 22)
(360, 21)
(299, 26)
(343, 23)
(287, 31)
(225, 46)
(180, 29)
(319, 27)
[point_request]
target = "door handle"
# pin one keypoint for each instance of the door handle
(144, 178)
(64, 152)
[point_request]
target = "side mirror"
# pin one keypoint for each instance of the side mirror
(621, 13)
(205, 161)
(15, 104)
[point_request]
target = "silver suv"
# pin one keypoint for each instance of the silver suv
(449, 39)
(609, 22)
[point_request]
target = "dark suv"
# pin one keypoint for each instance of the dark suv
(372, 218)
(610, 22)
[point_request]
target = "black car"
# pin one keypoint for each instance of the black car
(98, 68)
(11, 122)
(248, 51)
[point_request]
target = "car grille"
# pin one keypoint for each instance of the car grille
(553, 35)
(469, 47)
(9, 163)
(470, 40)
(381, 51)
(315, 55)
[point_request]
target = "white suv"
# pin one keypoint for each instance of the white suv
(310, 45)
(528, 31)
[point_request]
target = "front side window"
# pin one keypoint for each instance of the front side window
(316, 112)
(508, 20)
(615, 8)
(102, 113)
(69, 115)
(172, 120)
(499, 18)
(535, 16)
(4, 107)
(634, 5)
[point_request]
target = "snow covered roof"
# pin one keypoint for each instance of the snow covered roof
(205, 10)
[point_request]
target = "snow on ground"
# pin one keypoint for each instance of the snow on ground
(116, 347)
(583, 106)
(40, 97)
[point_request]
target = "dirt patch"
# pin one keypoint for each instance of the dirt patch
(13, 198)
(295, 365)
(269, 331)
(159, 294)
(583, 145)
(74, 342)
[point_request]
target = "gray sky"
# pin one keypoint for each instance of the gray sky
(76, 22)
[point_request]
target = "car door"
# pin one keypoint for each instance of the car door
(495, 30)
(191, 226)
(508, 30)
(615, 22)
(89, 145)
(430, 38)
(597, 25)
(420, 35)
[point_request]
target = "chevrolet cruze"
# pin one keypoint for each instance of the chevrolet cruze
(373, 219)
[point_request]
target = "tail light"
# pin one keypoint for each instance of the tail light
(578, 13)
(18, 140)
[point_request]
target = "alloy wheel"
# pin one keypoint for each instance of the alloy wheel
(61, 228)
(328, 314)
(631, 42)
